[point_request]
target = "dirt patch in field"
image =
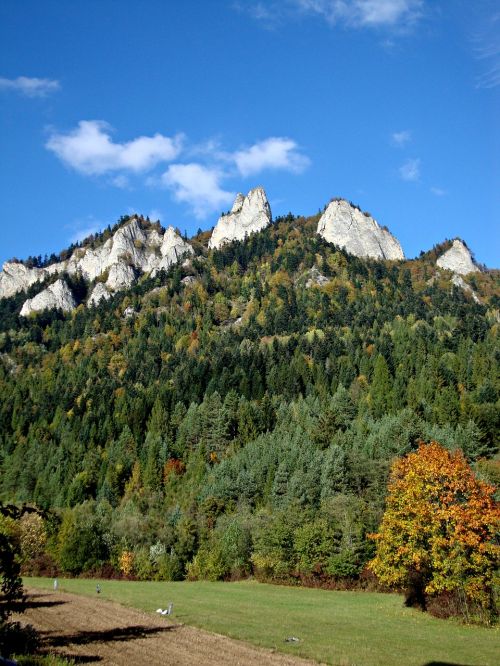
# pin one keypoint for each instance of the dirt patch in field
(92, 630)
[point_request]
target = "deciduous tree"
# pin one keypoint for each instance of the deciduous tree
(439, 530)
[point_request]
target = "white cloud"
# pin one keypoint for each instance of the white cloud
(258, 10)
(365, 13)
(487, 46)
(438, 191)
(410, 170)
(400, 139)
(393, 14)
(272, 153)
(489, 78)
(30, 87)
(90, 150)
(198, 182)
(198, 186)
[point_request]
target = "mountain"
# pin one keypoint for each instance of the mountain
(248, 215)
(236, 409)
(358, 233)
(458, 258)
(136, 246)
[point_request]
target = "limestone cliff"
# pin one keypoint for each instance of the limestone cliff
(99, 292)
(173, 248)
(248, 215)
(131, 250)
(358, 233)
(16, 276)
(56, 296)
(458, 259)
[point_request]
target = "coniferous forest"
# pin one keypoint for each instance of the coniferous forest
(239, 414)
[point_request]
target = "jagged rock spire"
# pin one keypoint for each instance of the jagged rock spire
(358, 233)
(248, 214)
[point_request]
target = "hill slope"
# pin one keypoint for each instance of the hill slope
(240, 410)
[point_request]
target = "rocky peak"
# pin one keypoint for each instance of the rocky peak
(56, 296)
(458, 259)
(174, 246)
(131, 249)
(172, 250)
(248, 214)
(358, 233)
(238, 203)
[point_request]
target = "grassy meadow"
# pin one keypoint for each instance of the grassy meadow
(341, 628)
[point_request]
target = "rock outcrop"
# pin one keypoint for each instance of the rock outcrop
(99, 292)
(173, 248)
(132, 249)
(458, 281)
(458, 259)
(56, 296)
(248, 214)
(315, 278)
(358, 233)
(120, 276)
(16, 276)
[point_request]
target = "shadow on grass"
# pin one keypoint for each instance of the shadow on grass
(443, 663)
(117, 634)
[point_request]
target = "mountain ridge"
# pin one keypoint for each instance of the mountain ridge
(253, 395)
(115, 258)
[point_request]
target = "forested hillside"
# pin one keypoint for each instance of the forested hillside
(240, 413)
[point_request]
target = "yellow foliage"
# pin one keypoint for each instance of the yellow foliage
(280, 278)
(126, 562)
(440, 525)
(32, 535)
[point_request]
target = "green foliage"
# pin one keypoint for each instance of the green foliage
(10, 570)
(226, 555)
(81, 542)
(20, 528)
(232, 416)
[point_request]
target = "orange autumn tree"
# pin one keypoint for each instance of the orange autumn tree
(440, 529)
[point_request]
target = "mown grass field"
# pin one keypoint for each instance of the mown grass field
(341, 628)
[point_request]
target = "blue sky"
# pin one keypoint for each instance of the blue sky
(169, 108)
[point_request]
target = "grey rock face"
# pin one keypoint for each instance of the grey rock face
(316, 278)
(188, 280)
(458, 259)
(16, 276)
(99, 292)
(458, 281)
(56, 296)
(357, 232)
(238, 203)
(128, 312)
(121, 276)
(130, 249)
(248, 214)
(173, 249)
